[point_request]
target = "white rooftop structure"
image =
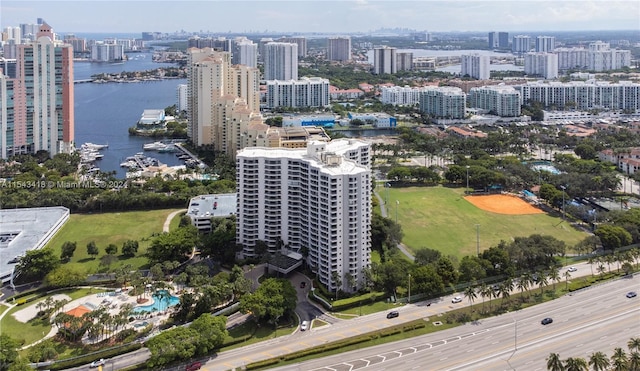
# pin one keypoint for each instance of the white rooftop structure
(22, 230)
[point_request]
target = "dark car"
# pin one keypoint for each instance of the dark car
(631, 294)
(546, 321)
(193, 366)
(393, 314)
(303, 285)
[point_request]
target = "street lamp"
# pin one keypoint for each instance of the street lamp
(409, 296)
(467, 178)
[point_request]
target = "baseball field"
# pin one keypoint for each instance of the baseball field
(444, 219)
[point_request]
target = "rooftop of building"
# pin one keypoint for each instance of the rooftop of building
(26, 229)
(210, 206)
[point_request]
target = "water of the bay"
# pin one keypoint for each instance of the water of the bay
(104, 112)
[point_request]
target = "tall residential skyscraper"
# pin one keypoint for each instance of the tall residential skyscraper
(301, 41)
(36, 108)
(315, 201)
(404, 61)
(545, 44)
(498, 40)
(476, 66)
(245, 52)
(280, 61)
(541, 64)
(384, 60)
(339, 49)
(521, 44)
(222, 100)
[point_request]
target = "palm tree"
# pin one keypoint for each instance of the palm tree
(554, 275)
(521, 285)
(482, 291)
(599, 361)
(527, 281)
(470, 293)
(634, 361)
(505, 289)
(567, 275)
(592, 260)
(619, 360)
(609, 259)
(554, 363)
(543, 281)
(634, 344)
(575, 364)
(601, 269)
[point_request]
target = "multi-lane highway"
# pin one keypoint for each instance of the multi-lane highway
(596, 319)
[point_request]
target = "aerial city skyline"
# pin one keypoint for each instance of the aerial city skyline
(325, 16)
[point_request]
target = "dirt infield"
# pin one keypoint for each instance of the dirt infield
(503, 204)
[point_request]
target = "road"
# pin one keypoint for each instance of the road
(343, 329)
(596, 319)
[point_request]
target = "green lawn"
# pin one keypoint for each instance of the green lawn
(439, 218)
(110, 228)
(28, 332)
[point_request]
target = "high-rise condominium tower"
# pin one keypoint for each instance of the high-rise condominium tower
(476, 66)
(280, 61)
(36, 107)
(315, 201)
(339, 49)
(222, 100)
(384, 60)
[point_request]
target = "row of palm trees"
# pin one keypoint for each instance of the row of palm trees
(99, 324)
(623, 259)
(619, 361)
(525, 282)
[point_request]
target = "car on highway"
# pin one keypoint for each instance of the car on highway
(572, 269)
(546, 321)
(393, 314)
(457, 299)
(631, 294)
(304, 326)
(193, 366)
(100, 362)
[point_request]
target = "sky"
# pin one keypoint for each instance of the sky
(322, 16)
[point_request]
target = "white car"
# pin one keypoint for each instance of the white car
(97, 363)
(304, 326)
(572, 269)
(457, 299)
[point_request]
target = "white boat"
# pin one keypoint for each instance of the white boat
(93, 146)
(155, 146)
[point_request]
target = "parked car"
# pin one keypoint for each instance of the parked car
(97, 363)
(631, 294)
(393, 314)
(572, 269)
(304, 326)
(303, 285)
(457, 299)
(546, 321)
(193, 366)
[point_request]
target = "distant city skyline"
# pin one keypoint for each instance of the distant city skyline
(322, 16)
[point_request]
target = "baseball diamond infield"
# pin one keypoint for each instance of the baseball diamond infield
(503, 204)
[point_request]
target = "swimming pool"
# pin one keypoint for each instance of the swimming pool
(160, 302)
(548, 168)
